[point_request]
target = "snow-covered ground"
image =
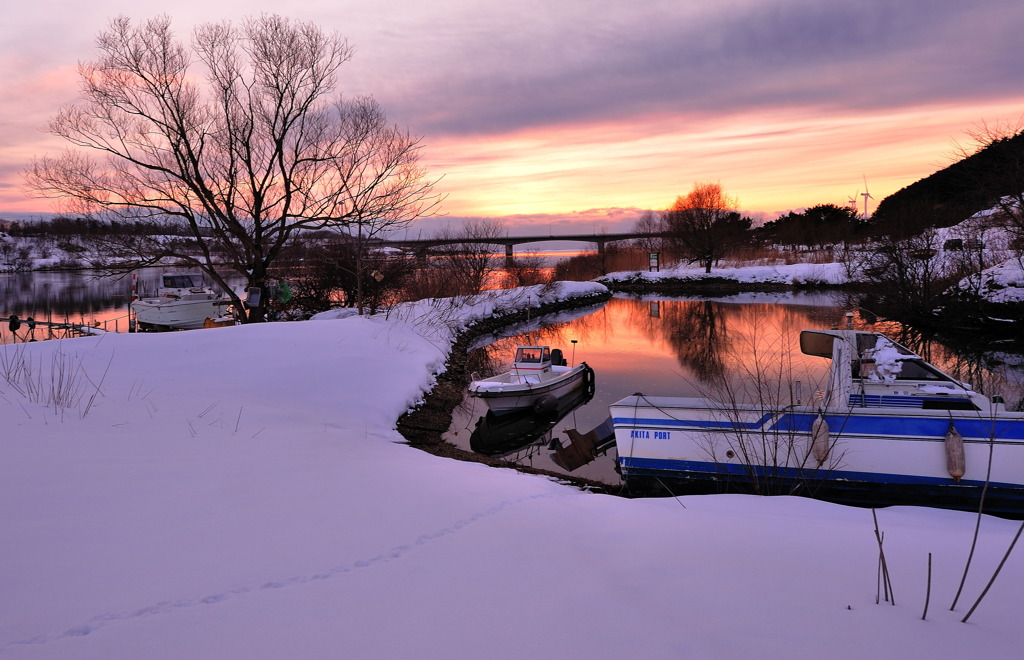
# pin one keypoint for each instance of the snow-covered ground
(1000, 282)
(790, 274)
(243, 493)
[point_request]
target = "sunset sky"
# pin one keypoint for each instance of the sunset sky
(578, 114)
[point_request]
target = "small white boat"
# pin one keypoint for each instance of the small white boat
(886, 428)
(538, 377)
(183, 303)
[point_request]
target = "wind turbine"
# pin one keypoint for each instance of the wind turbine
(866, 195)
(853, 202)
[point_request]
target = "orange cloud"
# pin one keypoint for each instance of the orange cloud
(771, 161)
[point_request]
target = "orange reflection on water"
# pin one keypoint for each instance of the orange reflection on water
(686, 347)
(728, 351)
(667, 348)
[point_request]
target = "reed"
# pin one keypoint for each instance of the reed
(62, 385)
(884, 581)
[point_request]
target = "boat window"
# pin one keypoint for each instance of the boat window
(910, 370)
(868, 342)
(547, 355)
(919, 370)
(949, 404)
(178, 282)
(531, 354)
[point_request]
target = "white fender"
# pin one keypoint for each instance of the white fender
(820, 439)
(955, 462)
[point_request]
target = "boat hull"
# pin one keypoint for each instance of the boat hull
(177, 314)
(511, 395)
(867, 456)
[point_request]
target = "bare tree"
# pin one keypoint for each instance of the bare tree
(649, 226)
(468, 257)
(703, 225)
(908, 279)
(526, 271)
(237, 140)
(323, 276)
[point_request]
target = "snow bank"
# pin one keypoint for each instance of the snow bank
(791, 274)
(1003, 283)
(242, 493)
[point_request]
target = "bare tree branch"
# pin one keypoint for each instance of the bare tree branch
(239, 137)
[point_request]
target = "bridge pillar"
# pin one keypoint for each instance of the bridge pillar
(509, 256)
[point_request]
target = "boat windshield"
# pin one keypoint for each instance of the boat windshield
(913, 369)
(533, 354)
(885, 360)
(178, 282)
(870, 342)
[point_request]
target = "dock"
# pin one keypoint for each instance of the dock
(29, 329)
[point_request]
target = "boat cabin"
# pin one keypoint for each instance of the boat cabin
(536, 359)
(184, 286)
(870, 370)
(532, 359)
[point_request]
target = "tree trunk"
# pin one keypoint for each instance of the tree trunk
(258, 313)
(359, 268)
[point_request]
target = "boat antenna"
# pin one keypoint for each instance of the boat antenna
(573, 341)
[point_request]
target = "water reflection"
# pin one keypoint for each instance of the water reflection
(511, 433)
(690, 347)
(82, 297)
(62, 295)
(697, 332)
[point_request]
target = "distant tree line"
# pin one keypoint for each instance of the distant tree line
(67, 226)
(816, 227)
(704, 227)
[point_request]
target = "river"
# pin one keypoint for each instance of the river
(685, 347)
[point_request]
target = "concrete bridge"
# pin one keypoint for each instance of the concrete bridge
(422, 245)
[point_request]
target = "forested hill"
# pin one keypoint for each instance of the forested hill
(957, 192)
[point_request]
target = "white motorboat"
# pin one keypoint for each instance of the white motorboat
(539, 376)
(887, 428)
(182, 303)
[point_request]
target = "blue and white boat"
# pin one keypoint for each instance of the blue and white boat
(886, 428)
